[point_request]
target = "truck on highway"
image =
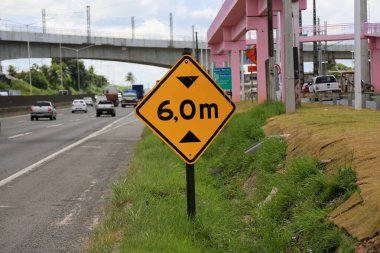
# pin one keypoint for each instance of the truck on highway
(112, 94)
(129, 97)
(139, 88)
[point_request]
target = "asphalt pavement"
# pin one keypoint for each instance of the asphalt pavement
(56, 177)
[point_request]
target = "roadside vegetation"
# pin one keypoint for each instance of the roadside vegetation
(46, 80)
(261, 202)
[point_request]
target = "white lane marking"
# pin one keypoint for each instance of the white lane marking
(54, 125)
(73, 145)
(66, 220)
(21, 121)
(4, 206)
(18, 135)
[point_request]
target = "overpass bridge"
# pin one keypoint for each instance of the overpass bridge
(154, 50)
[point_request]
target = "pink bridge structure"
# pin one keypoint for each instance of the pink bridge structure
(227, 37)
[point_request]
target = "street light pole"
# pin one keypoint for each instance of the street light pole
(78, 69)
(60, 64)
(77, 51)
(30, 70)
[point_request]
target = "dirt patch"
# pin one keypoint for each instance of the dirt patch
(348, 138)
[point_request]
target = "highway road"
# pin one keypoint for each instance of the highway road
(56, 176)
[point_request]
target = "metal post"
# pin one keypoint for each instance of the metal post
(88, 23)
(201, 45)
(133, 26)
(315, 49)
(30, 71)
(358, 63)
(196, 47)
(190, 190)
(271, 96)
(43, 21)
(278, 57)
(301, 69)
(171, 29)
(242, 75)
(78, 69)
(290, 103)
(193, 41)
(60, 64)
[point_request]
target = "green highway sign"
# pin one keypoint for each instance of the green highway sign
(223, 77)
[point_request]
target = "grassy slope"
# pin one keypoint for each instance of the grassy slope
(348, 138)
(148, 211)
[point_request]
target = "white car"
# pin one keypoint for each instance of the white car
(89, 101)
(79, 105)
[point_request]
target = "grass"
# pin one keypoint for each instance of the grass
(148, 209)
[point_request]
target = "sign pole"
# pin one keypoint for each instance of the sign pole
(190, 190)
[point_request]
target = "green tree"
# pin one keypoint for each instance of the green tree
(54, 76)
(39, 80)
(130, 77)
(12, 71)
(339, 67)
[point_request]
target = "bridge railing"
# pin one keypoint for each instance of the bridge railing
(371, 29)
(94, 33)
(328, 29)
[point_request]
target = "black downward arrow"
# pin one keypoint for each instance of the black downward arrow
(189, 137)
(187, 80)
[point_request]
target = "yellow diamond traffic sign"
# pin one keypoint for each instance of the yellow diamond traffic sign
(187, 109)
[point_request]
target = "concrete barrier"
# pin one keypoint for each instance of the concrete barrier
(9, 102)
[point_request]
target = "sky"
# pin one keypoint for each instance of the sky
(151, 18)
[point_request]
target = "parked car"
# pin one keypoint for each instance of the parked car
(79, 105)
(104, 107)
(326, 84)
(43, 109)
(89, 101)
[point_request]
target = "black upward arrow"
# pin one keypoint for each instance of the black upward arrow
(187, 80)
(189, 137)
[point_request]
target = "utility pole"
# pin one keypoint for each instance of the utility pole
(196, 47)
(301, 70)
(88, 24)
(315, 49)
(193, 53)
(290, 103)
(171, 29)
(272, 89)
(43, 21)
(133, 26)
(358, 52)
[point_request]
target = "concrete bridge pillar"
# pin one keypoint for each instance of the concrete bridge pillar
(262, 56)
(235, 72)
(374, 45)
